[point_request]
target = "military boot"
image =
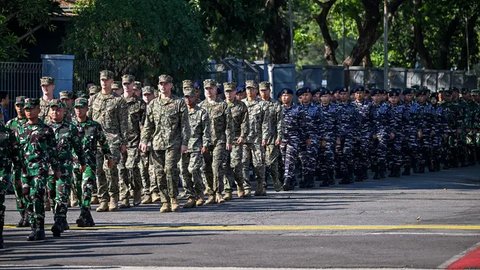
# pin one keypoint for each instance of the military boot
(174, 205)
(89, 218)
(165, 207)
(155, 197)
(33, 232)
(1, 235)
(137, 197)
(227, 196)
(113, 204)
(125, 203)
(219, 198)
(94, 200)
(240, 192)
(190, 203)
(82, 220)
(40, 232)
(103, 207)
(247, 193)
(57, 227)
(260, 191)
(210, 200)
(146, 199)
(23, 222)
(199, 201)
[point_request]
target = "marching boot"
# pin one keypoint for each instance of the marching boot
(33, 232)
(57, 227)
(40, 233)
(85, 219)
(23, 222)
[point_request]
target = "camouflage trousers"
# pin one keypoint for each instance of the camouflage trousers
(107, 178)
(34, 183)
(234, 171)
(272, 162)
(129, 173)
(59, 189)
(379, 149)
(308, 159)
(410, 151)
(167, 173)
(326, 157)
(17, 188)
(361, 150)
(214, 168)
(85, 185)
(394, 150)
(3, 191)
(147, 173)
(289, 153)
(191, 168)
(344, 154)
(253, 154)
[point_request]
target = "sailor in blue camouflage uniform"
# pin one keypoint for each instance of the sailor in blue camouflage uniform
(348, 122)
(293, 127)
(444, 101)
(424, 130)
(314, 129)
(326, 161)
(363, 134)
(396, 141)
(410, 146)
(438, 132)
(380, 116)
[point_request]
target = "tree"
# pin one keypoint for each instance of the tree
(143, 37)
(19, 19)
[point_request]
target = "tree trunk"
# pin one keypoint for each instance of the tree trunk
(423, 53)
(472, 40)
(277, 32)
(445, 42)
(330, 44)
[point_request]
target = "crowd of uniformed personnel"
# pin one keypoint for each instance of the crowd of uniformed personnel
(121, 145)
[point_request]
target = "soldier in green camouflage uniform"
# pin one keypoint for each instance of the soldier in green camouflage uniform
(67, 98)
(469, 122)
(37, 146)
(166, 125)
(274, 117)
(10, 155)
(48, 88)
(253, 150)
(13, 124)
(476, 122)
(234, 171)
(149, 183)
(137, 89)
(129, 171)
(91, 135)
(192, 161)
(67, 140)
(222, 137)
(110, 111)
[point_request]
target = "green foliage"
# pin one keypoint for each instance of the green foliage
(143, 37)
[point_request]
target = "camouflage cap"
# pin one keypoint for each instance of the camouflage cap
(31, 102)
(82, 94)
(20, 100)
(137, 85)
(127, 78)
(116, 85)
(106, 74)
(65, 95)
(264, 86)
(209, 83)
(47, 80)
(56, 103)
(148, 90)
(165, 78)
(229, 86)
(188, 92)
(251, 84)
(187, 84)
(80, 103)
(93, 89)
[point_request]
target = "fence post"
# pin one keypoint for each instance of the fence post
(60, 67)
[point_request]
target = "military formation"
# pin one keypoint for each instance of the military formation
(121, 145)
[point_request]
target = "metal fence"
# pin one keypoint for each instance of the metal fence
(335, 76)
(20, 79)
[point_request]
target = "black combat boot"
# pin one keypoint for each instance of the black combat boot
(57, 227)
(31, 236)
(40, 233)
(1, 235)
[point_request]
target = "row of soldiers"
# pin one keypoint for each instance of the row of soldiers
(138, 141)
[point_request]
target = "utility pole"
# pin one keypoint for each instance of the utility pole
(385, 45)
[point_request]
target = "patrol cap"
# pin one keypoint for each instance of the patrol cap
(342, 90)
(209, 83)
(407, 91)
(56, 103)
(394, 92)
(65, 95)
(422, 92)
(93, 89)
(137, 85)
(127, 78)
(324, 91)
(303, 90)
(106, 74)
(165, 78)
(229, 86)
(46, 80)
(187, 84)
(286, 91)
(80, 103)
(358, 88)
(250, 84)
(116, 85)
(265, 85)
(375, 91)
(148, 90)
(31, 102)
(20, 100)
(82, 94)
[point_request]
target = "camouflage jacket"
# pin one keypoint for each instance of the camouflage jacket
(9, 150)
(136, 117)
(330, 120)
(110, 111)
(348, 120)
(239, 119)
(68, 139)
(273, 117)
(44, 110)
(200, 129)
(294, 125)
(91, 136)
(221, 124)
(14, 123)
(37, 148)
(314, 122)
(166, 123)
(257, 123)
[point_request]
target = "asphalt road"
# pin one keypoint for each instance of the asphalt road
(422, 221)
